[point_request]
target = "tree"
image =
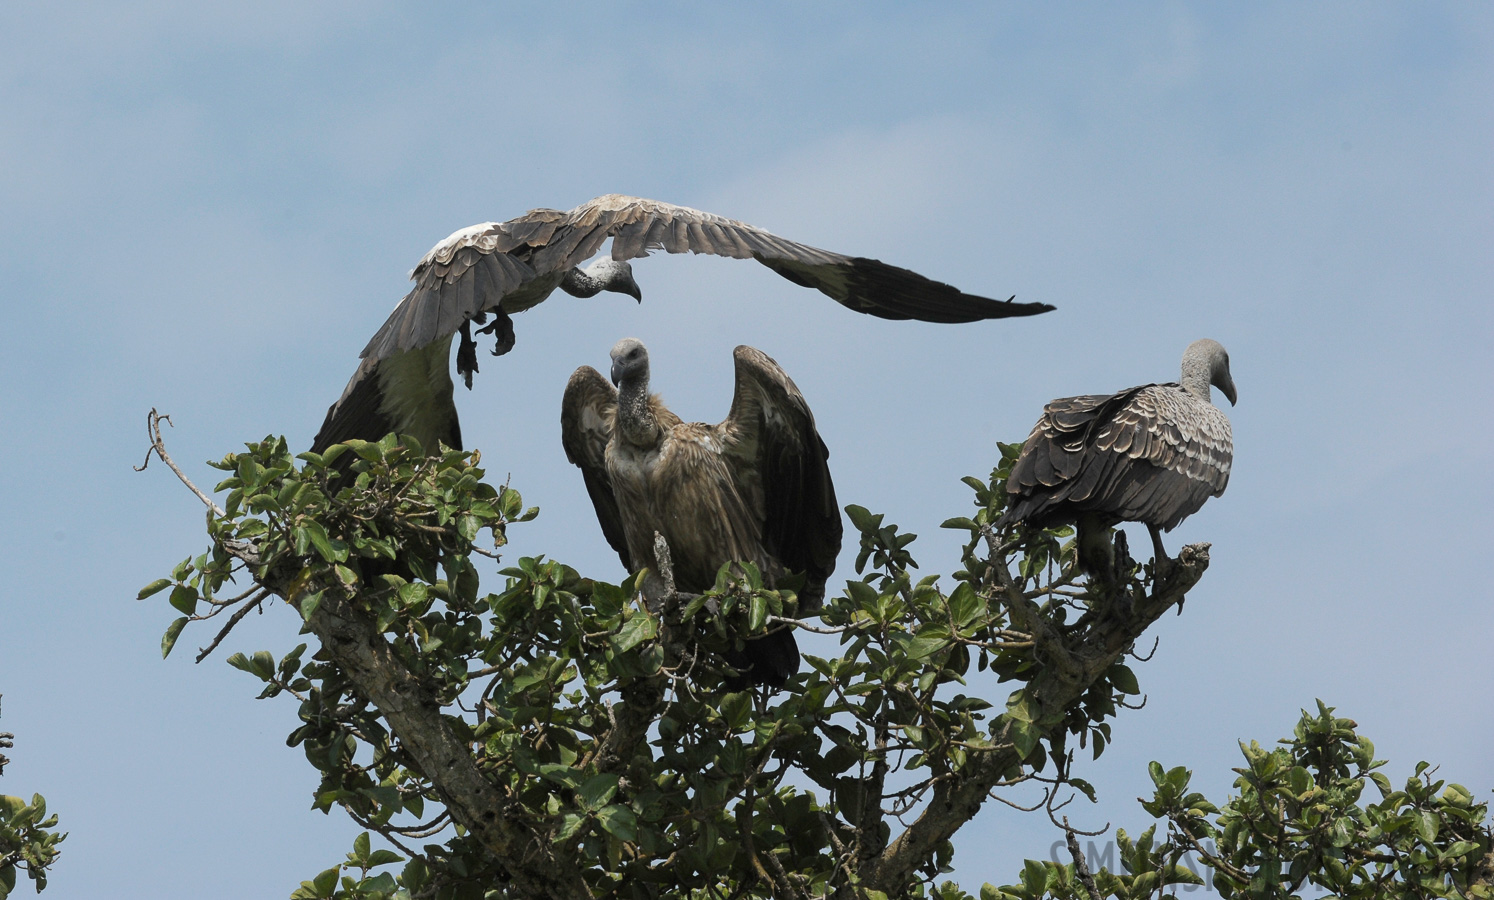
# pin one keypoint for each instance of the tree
(1296, 823)
(27, 842)
(565, 739)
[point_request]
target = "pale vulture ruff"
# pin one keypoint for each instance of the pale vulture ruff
(1150, 454)
(500, 268)
(754, 488)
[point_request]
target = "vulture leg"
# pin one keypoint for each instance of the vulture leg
(502, 330)
(1161, 563)
(467, 354)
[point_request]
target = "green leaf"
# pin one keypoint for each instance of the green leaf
(925, 645)
(758, 616)
(596, 792)
(641, 627)
(570, 823)
(863, 520)
(308, 605)
(173, 631)
(1123, 679)
(1024, 737)
(360, 850)
(735, 708)
(184, 599)
(160, 584)
(383, 858)
(1427, 826)
(619, 822)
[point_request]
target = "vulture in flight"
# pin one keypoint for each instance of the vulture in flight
(754, 488)
(1150, 454)
(499, 268)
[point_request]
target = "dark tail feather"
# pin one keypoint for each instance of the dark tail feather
(771, 660)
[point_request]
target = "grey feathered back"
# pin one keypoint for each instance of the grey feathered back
(1151, 454)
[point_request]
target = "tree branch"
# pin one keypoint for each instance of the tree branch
(352, 642)
(1083, 660)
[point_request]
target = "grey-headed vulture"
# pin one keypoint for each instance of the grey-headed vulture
(1150, 454)
(500, 268)
(755, 487)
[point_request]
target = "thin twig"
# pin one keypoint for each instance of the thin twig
(223, 632)
(818, 629)
(158, 447)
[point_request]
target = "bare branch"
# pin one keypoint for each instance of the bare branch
(158, 447)
(1081, 867)
(239, 614)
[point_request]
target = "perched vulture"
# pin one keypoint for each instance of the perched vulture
(500, 268)
(754, 488)
(1150, 454)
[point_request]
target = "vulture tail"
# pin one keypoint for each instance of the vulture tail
(771, 660)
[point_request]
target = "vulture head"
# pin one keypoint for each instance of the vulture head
(629, 361)
(1205, 363)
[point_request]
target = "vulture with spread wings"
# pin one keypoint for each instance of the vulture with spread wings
(1150, 454)
(754, 488)
(499, 268)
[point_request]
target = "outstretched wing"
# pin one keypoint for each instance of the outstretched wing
(777, 454)
(1149, 454)
(519, 262)
(587, 413)
(469, 272)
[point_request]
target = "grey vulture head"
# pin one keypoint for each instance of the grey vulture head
(753, 488)
(629, 360)
(496, 269)
(1150, 454)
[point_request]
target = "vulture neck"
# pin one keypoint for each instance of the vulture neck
(636, 422)
(1197, 373)
(579, 284)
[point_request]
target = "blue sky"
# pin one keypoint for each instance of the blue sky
(209, 210)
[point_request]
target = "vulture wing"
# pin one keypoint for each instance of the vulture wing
(779, 457)
(409, 393)
(587, 414)
(1149, 454)
(519, 262)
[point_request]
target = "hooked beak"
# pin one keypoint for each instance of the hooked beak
(1227, 388)
(616, 374)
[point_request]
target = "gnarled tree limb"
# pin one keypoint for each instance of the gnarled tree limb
(1085, 658)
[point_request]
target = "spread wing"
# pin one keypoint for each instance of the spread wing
(1149, 454)
(519, 262)
(772, 444)
(587, 413)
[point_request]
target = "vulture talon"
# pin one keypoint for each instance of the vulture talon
(502, 330)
